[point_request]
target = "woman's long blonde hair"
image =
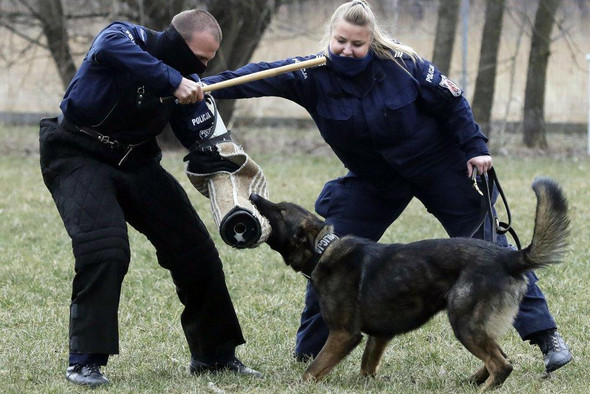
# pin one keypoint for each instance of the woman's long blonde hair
(359, 13)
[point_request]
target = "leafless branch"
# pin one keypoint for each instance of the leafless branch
(24, 36)
(571, 45)
(19, 56)
(92, 15)
(32, 10)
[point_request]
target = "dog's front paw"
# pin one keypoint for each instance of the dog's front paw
(368, 373)
(308, 377)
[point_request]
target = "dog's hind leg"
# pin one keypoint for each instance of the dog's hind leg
(338, 345)
(372, 355)
(478, 316)
(499, 369)
(482, 346)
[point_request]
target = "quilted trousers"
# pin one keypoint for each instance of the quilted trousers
(96, 198)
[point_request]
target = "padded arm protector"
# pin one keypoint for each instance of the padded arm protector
(239, 222)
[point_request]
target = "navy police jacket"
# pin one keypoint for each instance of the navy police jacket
(392, 121)
(118, 86)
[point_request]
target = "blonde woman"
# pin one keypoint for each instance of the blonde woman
(403, 130)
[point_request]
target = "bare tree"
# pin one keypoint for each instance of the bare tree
(34, 19)
(444, 41)
(55, 29)
(387, 10)
(534, 102)
(521, 20)
(483, 96)
(243, 23)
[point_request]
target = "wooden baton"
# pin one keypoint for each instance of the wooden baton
(271, 72)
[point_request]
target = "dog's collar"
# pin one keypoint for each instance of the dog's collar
(324, 242)
(324, 239)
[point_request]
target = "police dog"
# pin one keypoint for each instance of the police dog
(386, 290)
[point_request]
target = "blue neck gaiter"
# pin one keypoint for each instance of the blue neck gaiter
(350, 66)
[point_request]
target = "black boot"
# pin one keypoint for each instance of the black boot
(235, 366)
(556, 354)
(86, 375)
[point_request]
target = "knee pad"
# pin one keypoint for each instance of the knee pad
(108, 245)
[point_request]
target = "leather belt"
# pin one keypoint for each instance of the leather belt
(104, 139)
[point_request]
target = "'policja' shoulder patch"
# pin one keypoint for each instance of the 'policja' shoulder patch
(450, 86)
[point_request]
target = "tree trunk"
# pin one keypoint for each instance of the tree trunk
(243, 23)
(534, 100)
(483, 96)
(53, 21)
(446, 25)
(157, 14)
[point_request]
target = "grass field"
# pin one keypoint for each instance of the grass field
(36, 269)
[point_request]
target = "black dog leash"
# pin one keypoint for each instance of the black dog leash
(488, 181)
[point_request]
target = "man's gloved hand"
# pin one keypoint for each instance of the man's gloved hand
(208, 162)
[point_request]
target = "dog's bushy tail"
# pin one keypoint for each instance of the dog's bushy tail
(551, 227)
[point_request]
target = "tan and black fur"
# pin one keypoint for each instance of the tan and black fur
(386, 290)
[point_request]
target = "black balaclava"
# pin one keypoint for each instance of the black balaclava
(174, 51)
(350, 66)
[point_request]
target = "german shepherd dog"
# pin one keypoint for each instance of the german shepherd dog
(386, 290)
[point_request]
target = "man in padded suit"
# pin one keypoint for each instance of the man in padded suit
(101, 163)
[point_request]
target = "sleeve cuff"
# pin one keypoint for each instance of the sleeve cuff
(175, 79)
(478, 147)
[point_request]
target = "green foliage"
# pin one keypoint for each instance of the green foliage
(36, 269)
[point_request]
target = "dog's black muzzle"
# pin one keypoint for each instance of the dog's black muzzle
(260, 203)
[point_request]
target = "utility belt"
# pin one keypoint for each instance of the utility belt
(126, 149)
